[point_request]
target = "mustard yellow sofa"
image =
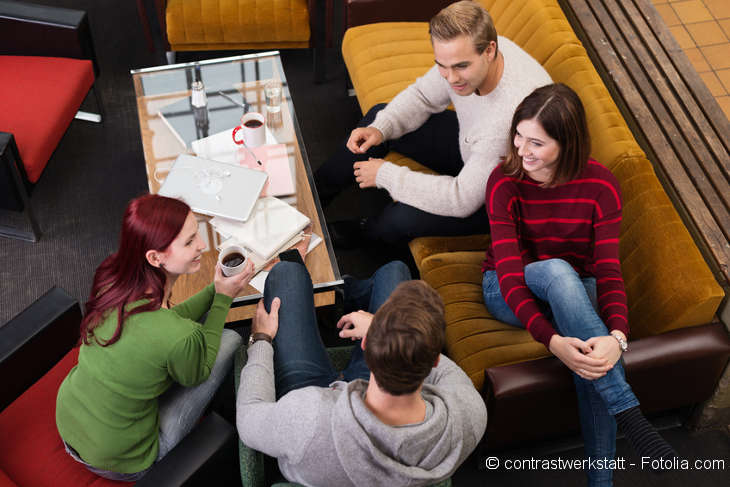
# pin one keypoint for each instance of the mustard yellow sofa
(212, 25)
(668, 284)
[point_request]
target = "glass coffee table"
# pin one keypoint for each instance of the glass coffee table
(168, 89)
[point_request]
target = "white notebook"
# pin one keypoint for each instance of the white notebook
(220, 146)
(271, 225)
(214, 188)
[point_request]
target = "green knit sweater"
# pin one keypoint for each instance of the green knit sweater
(106, 407)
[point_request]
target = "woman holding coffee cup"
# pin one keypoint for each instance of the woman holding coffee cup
(553, 267)
(146, 371)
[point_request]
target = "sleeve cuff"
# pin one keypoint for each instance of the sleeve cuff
(386, 176)
(260, 352)
(382, 124)
(620, 326)
(222, 300)
(543, 332)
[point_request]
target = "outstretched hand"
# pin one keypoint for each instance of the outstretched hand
(366, 172)
(574, 353)
(363, 138)
(355, 325)
(265, 322)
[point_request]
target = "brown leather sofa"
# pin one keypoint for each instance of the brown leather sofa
(678, 348)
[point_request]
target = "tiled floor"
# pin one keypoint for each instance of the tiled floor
(702, 29)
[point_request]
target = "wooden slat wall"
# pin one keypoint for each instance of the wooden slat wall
(670, 111)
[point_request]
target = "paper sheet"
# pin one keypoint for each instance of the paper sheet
(259, 280)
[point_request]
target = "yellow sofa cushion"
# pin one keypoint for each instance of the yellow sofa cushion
(382, 59)
(474, 339)
(668, 284)
(237, 24)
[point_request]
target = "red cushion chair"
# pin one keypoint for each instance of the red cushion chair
(37, 349)
(36, 437)
(46, 94)
(48, 67)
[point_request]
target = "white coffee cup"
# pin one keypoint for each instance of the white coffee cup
(228, 269)
(253, 130)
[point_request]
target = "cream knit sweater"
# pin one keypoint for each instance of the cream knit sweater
(484, 123)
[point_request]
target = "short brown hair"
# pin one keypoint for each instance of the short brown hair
(405, 338)
(560, 112)
(466, 18)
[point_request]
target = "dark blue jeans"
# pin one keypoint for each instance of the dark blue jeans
(300, 357)
(435, 144)
(569, 301)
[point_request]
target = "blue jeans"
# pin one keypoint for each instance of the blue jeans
(569, 302)
(179, 408)
(300, 357)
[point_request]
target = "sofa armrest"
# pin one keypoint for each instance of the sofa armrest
(35, 340)
(361, 12)
(188, 460)
(28, 29)
(668, 371)
(679, 367)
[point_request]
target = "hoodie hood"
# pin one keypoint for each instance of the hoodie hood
(373, 453)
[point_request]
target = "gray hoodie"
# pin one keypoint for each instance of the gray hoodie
(328, 437)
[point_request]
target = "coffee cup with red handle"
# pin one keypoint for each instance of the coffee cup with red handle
(253, 130)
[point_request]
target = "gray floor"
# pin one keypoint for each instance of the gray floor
(96, 169)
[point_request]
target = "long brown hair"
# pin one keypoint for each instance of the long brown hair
(560, 112)
(151, 222)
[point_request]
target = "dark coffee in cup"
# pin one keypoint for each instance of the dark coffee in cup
(252, 129)
(252, 124)
(234, 259)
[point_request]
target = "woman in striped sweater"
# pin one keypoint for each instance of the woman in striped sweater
(553, 266)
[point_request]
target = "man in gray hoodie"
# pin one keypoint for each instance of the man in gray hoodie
(414, 420)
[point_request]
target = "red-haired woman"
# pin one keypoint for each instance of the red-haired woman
(553, 267)
(119, 410)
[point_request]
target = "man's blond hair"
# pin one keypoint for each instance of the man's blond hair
(467, 18)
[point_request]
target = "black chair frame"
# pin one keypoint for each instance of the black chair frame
(13, 171)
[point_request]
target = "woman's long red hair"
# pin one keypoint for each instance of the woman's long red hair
(150, 222)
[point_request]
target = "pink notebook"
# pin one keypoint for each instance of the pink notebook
(275, 160)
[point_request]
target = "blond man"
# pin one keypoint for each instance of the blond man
(484, 77)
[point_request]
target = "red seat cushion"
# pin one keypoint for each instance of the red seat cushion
(32, 453)
(39, 98)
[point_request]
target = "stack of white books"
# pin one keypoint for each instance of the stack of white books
(273, 227)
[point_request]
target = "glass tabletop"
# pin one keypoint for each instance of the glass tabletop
(170, 126)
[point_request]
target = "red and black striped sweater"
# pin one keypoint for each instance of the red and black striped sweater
(578, 221)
